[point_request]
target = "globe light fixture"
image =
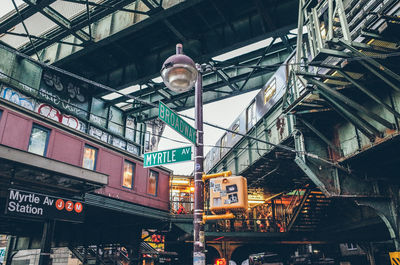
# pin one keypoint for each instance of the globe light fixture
(179, 72)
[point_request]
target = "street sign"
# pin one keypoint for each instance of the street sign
(177, 123)
(30, 204)
(167, 156)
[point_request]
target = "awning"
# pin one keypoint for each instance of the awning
(23, 170)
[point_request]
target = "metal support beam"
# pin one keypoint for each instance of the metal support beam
(374, 63)
(60, 20)
(351, 103)
(369, 93)
(42, 38)
(387, 210)
(175, 31)
(320, 135)
(102, 5)
(26, 29)
(258, 62)
(354, 119)
(45, 245)
(25, 12)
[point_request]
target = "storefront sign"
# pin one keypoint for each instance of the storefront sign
(167, 156)
(175, 122)
(29, 204)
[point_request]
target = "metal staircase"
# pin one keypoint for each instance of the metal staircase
(105, 255)
(309, 213)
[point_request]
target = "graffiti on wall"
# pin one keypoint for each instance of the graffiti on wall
(17, 98)
(99, 134)
(118, 142)
(54, 114)
(65, 93)
(73, 91)
(132, 149)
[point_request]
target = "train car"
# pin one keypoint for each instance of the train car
(263, 103)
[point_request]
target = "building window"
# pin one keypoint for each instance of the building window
(235, 128)
(223, 144)
(152, 183)
(89, 157)
(1, 113)
(351, 246)
(269, 91)
(127, 180)
(39, 140)
(251, 115)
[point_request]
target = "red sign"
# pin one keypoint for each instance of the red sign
(78, 207)
(60, 204)
(220, 262)
(69, 206)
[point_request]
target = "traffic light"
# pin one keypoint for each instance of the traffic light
(220, 262)
(228, 194)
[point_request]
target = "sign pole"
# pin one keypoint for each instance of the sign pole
(199, 239)
(45, 245)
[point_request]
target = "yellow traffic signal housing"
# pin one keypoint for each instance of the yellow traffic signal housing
(228, 194)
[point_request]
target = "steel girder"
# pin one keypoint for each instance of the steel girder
(223, 82)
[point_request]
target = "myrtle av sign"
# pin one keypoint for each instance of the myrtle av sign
(177, 123)
(167, 156)
(29, 204)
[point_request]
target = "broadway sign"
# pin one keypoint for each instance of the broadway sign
(29, 204)
(173, 120)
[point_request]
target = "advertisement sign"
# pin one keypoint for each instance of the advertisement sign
(29, 204)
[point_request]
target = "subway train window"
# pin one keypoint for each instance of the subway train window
(251, 115)
(269, 91)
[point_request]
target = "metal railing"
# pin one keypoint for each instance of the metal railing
(264, 225)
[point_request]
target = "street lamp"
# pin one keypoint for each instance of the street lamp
(180, 73)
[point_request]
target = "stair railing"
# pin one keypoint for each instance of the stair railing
(295, 213)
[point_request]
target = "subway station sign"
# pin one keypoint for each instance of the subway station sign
(29, 204)
(167, 157)
(173, 120)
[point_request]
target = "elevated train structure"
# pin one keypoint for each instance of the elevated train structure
(328, 118)
(324, 124)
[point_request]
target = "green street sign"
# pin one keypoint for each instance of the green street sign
(173, 120)
(167, 157)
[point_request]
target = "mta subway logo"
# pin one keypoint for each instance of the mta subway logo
(69, 206)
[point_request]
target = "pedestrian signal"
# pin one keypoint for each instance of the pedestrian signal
(228, 194)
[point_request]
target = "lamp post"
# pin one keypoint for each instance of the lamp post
(180, 73)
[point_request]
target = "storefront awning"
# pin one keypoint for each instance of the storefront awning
(23, 170)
